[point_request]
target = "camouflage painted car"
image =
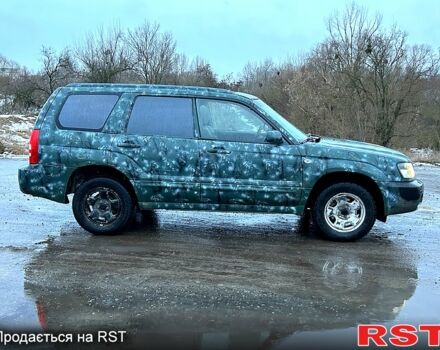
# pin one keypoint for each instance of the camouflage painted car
(121, 148)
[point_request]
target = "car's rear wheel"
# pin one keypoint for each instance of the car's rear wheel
(102, 206)
(344, 212)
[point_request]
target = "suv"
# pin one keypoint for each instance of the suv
(122, 147)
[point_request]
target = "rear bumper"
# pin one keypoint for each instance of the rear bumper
(28, 178)
(44, 181)
(403, 197)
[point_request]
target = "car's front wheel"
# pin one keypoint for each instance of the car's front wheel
(344, 212)
(102, 206)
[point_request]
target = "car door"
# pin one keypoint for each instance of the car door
(159, 144)
(237, 165)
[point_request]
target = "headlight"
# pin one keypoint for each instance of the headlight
(406, 170)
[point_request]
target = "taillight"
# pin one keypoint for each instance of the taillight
(33, 146)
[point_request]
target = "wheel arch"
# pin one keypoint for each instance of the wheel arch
(88, 172)
(360, 179)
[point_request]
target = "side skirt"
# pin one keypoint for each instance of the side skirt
(222, 207)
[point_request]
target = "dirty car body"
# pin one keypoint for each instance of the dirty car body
(194, 148)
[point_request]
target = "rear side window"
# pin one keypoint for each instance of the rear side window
(88, 112)
(166, 116)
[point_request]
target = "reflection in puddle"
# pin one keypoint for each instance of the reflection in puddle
(175, 283)
(343, 273)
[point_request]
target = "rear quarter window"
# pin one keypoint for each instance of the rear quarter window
(86, 112)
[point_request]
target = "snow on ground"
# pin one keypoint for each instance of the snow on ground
(424, 156)
(14, 132)
(422, 152)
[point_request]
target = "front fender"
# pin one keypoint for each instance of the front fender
(315, 168)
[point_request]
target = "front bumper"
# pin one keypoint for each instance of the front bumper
(403, 197)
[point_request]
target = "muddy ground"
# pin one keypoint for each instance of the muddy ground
(214, 280)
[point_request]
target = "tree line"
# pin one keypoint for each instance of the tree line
(364, 81)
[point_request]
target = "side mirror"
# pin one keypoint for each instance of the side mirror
(275, 137)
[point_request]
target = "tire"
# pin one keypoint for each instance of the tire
(344, 212)
(102, 206)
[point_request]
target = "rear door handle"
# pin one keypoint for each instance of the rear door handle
(218, 150)
(128, 144)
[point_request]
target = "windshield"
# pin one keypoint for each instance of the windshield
(297, 134)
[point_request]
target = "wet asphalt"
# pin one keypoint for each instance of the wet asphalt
(205, 280)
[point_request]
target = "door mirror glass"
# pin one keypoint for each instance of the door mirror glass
(275, 137)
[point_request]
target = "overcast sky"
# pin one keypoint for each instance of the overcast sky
(228, 33)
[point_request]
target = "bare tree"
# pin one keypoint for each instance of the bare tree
(363, 81)
(196, 72)
(103, 55)
(202, 73)
(268, 80)
(180, 70)
(57, 70)
(153, 52)
(23, 89)
(8, 70)
(428, 131)
(17, 88)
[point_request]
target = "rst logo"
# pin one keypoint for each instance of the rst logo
(400, 335)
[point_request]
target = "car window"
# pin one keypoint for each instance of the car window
(167, 116)
(286, 125)
(229, 121)
(87, 112)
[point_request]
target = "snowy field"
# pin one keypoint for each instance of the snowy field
(14, 132)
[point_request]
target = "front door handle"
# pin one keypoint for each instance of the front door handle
(128, 144)
(218, 150)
